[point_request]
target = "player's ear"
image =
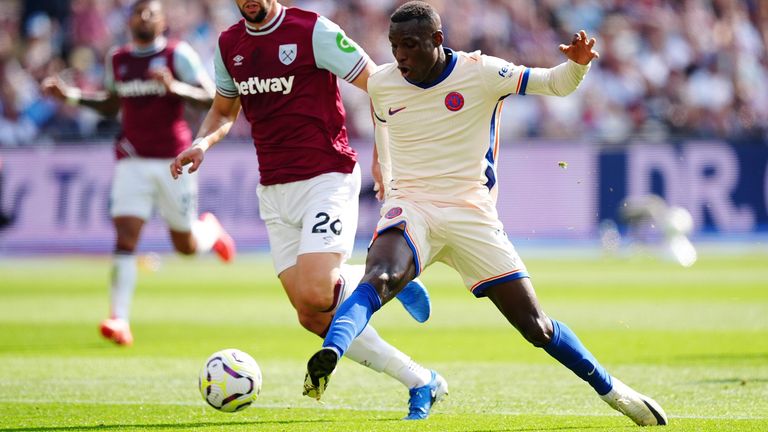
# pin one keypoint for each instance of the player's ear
(437, 38)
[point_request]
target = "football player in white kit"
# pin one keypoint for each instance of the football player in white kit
(440, 109)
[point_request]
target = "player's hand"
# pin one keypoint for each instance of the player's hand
(54, 87)
(193, 156)
(378, 180)
(164, 76)
(581, 48)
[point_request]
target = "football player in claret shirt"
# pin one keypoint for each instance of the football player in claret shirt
(441, 111)
(148, 81)
(281, 66)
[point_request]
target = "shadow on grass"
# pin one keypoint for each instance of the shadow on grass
(180, 426)
(531, 428)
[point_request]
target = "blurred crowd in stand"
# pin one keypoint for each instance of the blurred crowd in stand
(668, 68)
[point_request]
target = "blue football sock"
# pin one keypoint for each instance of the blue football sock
(566, 348)
(352, 317)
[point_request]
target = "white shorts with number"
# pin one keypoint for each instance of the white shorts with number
(314, 215)
(469, 239)
(142, 185)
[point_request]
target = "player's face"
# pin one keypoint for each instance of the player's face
(416, 49)
(147, 21)
(254, 11)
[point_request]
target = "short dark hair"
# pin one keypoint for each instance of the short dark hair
(418, 10)
(135, 5)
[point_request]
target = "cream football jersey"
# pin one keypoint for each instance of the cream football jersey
(443, 138)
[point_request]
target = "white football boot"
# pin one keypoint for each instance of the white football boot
(117, 330)
(640, 408)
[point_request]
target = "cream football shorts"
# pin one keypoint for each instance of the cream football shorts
(308, 216)
(470, 240)
(141, 185)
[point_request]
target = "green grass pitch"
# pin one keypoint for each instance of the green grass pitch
(695, 339)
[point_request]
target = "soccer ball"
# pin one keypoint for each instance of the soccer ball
(230, 380)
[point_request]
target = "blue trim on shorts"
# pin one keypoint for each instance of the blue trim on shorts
(480, 289)
(408, 240)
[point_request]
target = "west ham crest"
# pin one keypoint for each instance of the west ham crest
(287, 53)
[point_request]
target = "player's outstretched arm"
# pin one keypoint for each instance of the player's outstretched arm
(105, 103)
(201, 97)
(216, 125)
(564, 78)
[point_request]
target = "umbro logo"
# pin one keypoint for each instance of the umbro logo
(395, 111)
(238, 60)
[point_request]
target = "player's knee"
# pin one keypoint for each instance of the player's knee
(126, 244)
(385, 278)
(320, 303)
(185, 249)
(126, 236)
(314, 322)
(184, 242)
(317, 294)
(537, 331)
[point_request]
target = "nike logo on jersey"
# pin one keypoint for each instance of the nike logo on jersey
(395, 111)
(256, 85)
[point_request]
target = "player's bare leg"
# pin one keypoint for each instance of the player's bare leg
(206, 234)
(184, 242)
(516, 300)
(124, 269)
(389, 265)
(127, 230)
(389, 268)
(312, 286)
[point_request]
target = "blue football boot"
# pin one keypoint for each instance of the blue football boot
(415, 300)
(423, 398)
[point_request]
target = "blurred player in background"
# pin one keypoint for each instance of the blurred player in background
(655, 225)
(281, 65)
(149, 81)
(441, 110)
